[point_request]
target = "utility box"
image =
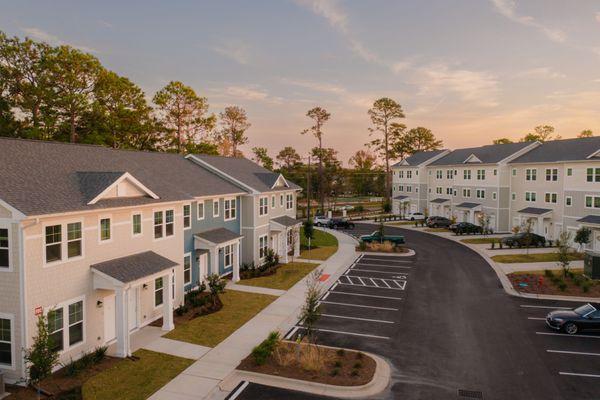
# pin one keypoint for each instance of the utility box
(591, 264)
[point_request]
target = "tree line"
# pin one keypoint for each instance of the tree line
(542, 133)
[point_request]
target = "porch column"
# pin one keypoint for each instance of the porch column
(168, 324)
(472, 216)
(540, 225)
(297, 242)
(122, 323)
(285, 246)
(236, 263)
(214, 261)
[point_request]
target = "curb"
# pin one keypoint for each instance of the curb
(379, 383)
(506, 285)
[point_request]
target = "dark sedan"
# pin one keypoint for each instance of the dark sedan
(466, 228)
(340, 223)
(524, 239)
(572, 321)
(438, 222)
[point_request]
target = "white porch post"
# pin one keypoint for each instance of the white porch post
(236, 263)
(285, 246)
(122, 323)
(297, 243)
(214, 261)
(540, 225)
(472, 216)
(168, 324)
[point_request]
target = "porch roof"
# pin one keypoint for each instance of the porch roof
(439, 200)
(590, 219)
(400, 197)
(535, 211)
(468, 205)
(137, 266)
(218, 236)
(286, 221)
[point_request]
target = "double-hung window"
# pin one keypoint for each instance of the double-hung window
(187, 216)
(592, 201)
(480, 193)
(53, 243)
(216, 205)
(229, 209)
(56, 328)
(481, 174)
(187, 269)
(74, 240)
(136, 224)
(228, 255)
(273, 201)
(449, 174)
(76, 323)
(263, 206)
(263, 246)
(158, 224)
(4, 249)
(409, 174)
(530, 196)
(593, 174)
(200, 210)
(438, 174)
(105, 233)
(552, 174)
(158, 291)
(409, 189)
(6, 357)
(550, 197)
(169, 222)
(568, 201)
(531, 174)
(467, 174)
(289, 201)
(466, 193)
(280, 200)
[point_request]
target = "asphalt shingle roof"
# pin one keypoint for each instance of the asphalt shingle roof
(590, 219)
(439, 200)
(468, 205)
(246, 171)
(562, 150)
(286, 221)
(400, 197)
(41, 177)
(218, 235)
(420, 157)
(534, 210)
(490, 154)
(131, 268)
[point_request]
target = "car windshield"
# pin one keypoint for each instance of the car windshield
(585, 309)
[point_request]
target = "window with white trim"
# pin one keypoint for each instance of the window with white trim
(438, 174)
(401, 188)
(216, 204)
(409, 174)
(228, 255)
(530, 196)
(158, 224)
(531, 174)
(289, 201)
(280, 200)
(263, 206)
(263, 246)
(409, 189)
(466, 193)
(158, 291)
(551, 197)
(514, 172)
(449, 190)
(136, 224)
(481, 174)
(439, 190)
(66, 325)
(400, 174)
(229, 209)
(105, 230)
(75, 323)
(494, 196)
(551, 174)
(569, 171)
(467, 174)
(56, 328)
(449, 174)
(169, 222)
(273, 201)
(593, 174)
(6, 357)
(200, 210)
(4, 249)
(187, 216)
(592, 201)
(53, 244)
(513, 196)
(74, 240)
(187, 269)
(495, 172)
(480, 193)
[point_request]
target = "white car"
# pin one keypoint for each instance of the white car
(321, 220)
(415, 216)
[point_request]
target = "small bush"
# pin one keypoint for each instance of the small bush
(335, 372)
(354, 372)
(562, 286)
(548, 273)
(100, 353)
(341, 352)
(338, 364)
(585, 286)
(359, 355)
(182, 309)
(362, 246)
(357, 365)
(266, 348)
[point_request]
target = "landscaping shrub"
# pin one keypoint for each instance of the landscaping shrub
(338, 364)
(585, 286)
(181, 310)
(354, 372)
(562, 285)
(359, 355)
(340, 352)
(357, 365)
(335, 371)
(362, 246)
(266, 348)
(100, 353)
(41, 357)
(548, 273)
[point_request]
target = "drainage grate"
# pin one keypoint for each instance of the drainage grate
(470, 394)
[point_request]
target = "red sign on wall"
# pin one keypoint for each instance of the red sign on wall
(39, 311)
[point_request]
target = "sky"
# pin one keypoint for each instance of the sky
(470, 70)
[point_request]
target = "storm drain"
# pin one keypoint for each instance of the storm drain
(470, 394)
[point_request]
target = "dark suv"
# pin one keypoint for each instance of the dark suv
(465, 228)
(438, 222)
(340, 223)
(523, 239)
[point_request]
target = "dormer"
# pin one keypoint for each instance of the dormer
(594, 155)
(280, 183)
(107, 185)
(472, 159)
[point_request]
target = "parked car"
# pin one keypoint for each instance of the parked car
(337, 223)
(465, 228)
(415, 216)
(572, 321)
(321, 220)
(377, 237)
(524, 238)
(438, 222)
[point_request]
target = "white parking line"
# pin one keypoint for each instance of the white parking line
(373, 287)
(369, 295)
(386, 284)
(564, 334)
(359, 305)
(361, 281)
(554, 308)
(239, 391)
(384, 266)
(352, 334)
(291, 334)
(333, 287)
(576, 374)
(378, 272)
(579, 353)
(326, 295)
(358, 319)
(536, 318)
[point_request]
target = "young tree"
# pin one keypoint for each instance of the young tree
(365, 168)
(563, 252)
(41, 357)
(288, 158)
(484, 222)
(585, 133)
(234, 124)
(582, 237)
(383, 114)
(183, 114)
(294, 237)
(542, 133)
(527, 229)
(319, 116)
(309, 231)
(310, 312)
(502, 141)
(261, 156)
(421, 139)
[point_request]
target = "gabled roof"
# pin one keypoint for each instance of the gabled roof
(419, 158)
(218, 236)
(579, 149)
(96, 185)
(490, 154)
(41, 177)
(244, 173)
(137, 266)
(286, 221)
(590, 219)
(535, 211)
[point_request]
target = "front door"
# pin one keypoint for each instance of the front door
(203, 267)
(110, 319)
(596, 239)
(133, 308)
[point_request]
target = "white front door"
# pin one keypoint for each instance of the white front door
(203, 267)
(596, 239)
(133, 308)
(110, 319)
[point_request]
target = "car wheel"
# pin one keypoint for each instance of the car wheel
(412, 219)
(571, 328)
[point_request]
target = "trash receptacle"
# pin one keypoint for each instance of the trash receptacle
(591, 264)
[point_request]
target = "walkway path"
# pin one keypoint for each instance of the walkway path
(201, 380)
(254, 289)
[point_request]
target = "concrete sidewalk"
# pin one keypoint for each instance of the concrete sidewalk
(201, 380)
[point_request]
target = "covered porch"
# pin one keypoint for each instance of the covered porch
(285, 237)
(540, 219)
(128, 281)
(467, 212)
(401, 205)
(223, 249)
(593, 223)
(440, 207)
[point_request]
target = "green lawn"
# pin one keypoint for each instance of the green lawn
(402, 223)
(536, 257)
(481, 240)
(436, 230)
(286, 276)
(135, 380)
(323, 245)
(210, 330)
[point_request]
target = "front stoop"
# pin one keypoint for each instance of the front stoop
(378, 384)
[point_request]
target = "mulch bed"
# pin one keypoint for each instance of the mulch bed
(353, 368)
(540, 284)
(397, 250)
(257, 272)
(194, 312)
(61, 385)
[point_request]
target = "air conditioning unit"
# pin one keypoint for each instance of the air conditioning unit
(591, 264)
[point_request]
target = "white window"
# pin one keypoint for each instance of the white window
(158, 224)
(280, 200)
(467, 174)
(568, 201)
(75, 323)
(409, 189)
(136, 224)
(56, 328)
(158, 291)
(216, 204)
(530, 174)
(592, 201)
(495, 172)
(263, 206)
(105, 229)
(569, 171)
(53, 239)
(4, 250)
(228, 255)
(74, 240)
(550, 198)
(480, 193)
(401, 174)
(467, 193)
(169, 222)
(593, 174)
(438, 174)
(449, 174)
(481, 174)
(416, 189)
(289, 201)
(514, 172)
(552, 174)
(262, 246)
(530, 196)
(401, 188)
(454, 192)
(187, 216)
(273, 201)
(408, 174)
(229, 207)
(494, 195)
(66, 325)
(438, 190)
(200, 210)
(6, 335)
(187, 269)
(449, 191)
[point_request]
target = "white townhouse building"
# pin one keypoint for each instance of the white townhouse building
(556, 186)
(409, 182)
